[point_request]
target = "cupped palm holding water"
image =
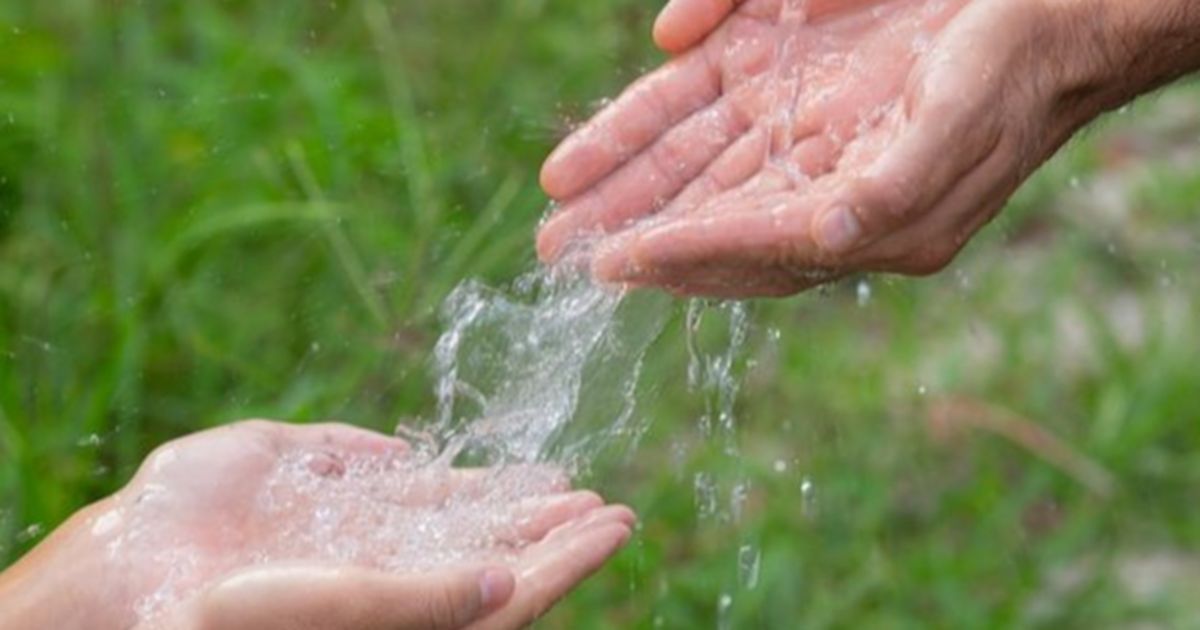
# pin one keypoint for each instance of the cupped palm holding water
(268, 525)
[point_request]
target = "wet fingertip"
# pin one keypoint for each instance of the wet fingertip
(547, 249)
(617, 536)
(625, 534)
(625, 514)
(663, 36)
(671, 33)
(553, 183)
(615, 514)
(606, 516)
(551, 240)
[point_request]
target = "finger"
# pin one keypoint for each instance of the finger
(770, 234)
(647, 109)
(684, 23)
(646, 182)
(532, 519)
(606, 515)
(286, 597)
(734, 167)
(549, 570)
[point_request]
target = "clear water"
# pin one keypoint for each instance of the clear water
(387, 514)
(516, 367)
(532, 383)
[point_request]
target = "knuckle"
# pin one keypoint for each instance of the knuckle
(650, 93)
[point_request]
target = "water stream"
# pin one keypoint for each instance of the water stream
(532, 383)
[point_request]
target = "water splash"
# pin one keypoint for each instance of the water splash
(532, 382)
(510, 367)
(515, 369)
(397, 514)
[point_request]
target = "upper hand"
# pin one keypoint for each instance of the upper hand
(787, 149)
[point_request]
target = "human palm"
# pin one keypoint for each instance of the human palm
(261, 525)
(803, 140)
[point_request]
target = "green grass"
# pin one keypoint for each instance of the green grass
(211, 211)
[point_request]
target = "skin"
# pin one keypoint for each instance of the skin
(785, 145)
(201, 491)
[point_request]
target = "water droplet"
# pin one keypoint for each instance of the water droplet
(808, 497)
(922, 390)
(91, 440)
(863, 293)
(705, 489)
(30, 533)
(964, 280)
(737, 500)
(749, 565)
(724, 607)
(780, 466)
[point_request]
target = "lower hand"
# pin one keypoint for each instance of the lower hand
(223, 529)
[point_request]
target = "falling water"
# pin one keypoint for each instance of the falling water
(532, 382)
(514, 367)
(717, 336)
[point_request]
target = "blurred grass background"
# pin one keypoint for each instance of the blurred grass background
(219, 210)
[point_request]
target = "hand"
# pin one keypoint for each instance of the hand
(267, 525)
(792, 147)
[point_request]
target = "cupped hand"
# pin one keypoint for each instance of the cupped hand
(270, 525)
(792, 142)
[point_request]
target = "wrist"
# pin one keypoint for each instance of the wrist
(1116, 50)
(65, 582)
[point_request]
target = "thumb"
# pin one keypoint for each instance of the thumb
(349, 598)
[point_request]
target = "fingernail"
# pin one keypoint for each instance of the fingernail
(840, 229)
(495, 587)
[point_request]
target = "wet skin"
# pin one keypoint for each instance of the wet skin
(789, 143)
(204, 493)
